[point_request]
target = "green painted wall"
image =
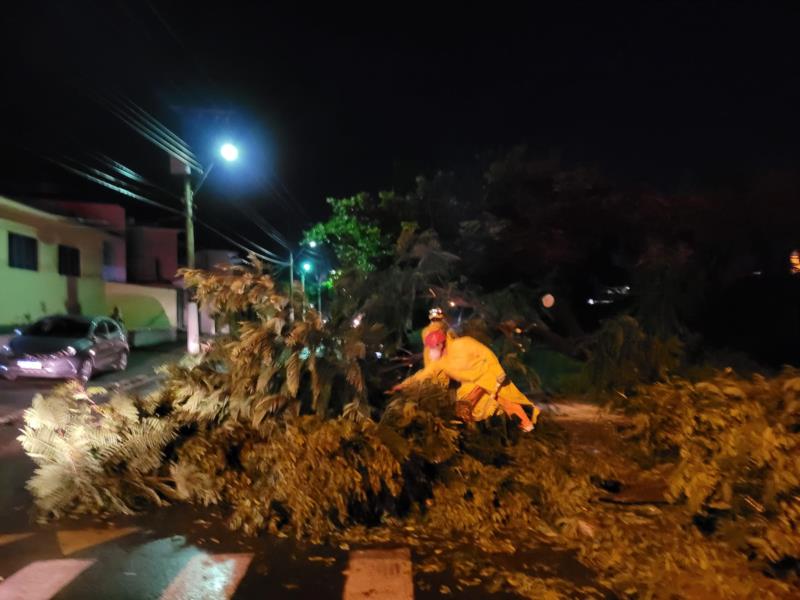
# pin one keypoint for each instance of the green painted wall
(27, 295)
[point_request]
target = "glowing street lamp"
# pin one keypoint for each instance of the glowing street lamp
(305, 267)
(229, 152)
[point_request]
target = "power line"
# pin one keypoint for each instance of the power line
(103, 181)
(138, 124)
(131, 174)
(107, 184)
(238, 245)
(157, 125)
(269, 229)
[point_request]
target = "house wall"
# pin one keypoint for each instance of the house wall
(29, 295)
(110, 217)
(143, 306)
(152, 254)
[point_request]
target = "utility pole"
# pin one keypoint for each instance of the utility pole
(192, 316)
(291, 287)
(303, 286)
(319, 294)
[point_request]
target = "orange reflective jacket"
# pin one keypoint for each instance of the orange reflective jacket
(472, 364)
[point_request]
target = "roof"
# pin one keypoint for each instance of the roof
(34, 213)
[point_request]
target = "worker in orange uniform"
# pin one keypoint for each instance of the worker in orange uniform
(484, 387)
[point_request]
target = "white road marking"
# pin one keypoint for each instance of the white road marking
(379, 575)
(208, 576)
(42, 579)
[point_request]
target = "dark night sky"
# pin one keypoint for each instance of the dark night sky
(330, 102)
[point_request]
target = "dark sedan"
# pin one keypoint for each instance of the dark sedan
(66, 347)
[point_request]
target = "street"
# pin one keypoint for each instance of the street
(186, 552)
(16, 396)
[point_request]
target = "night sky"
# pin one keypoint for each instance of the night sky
(328, 102)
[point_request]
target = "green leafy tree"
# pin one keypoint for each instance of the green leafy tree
(353, 233)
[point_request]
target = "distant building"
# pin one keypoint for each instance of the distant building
(152, 254)
(211, 259)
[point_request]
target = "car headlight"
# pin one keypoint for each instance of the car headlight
(5, 350)
(70, 351)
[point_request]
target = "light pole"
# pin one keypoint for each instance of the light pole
(230, 153)
(305, 268)
(319, 294)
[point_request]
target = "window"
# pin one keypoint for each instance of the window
(69, 261)
(113, 329)
(23, 252)
(101, 329)
(108, 254)
(60, 327)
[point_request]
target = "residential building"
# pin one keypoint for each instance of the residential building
(152, 254)
(59, 256)
(108, 217)
(48, 264)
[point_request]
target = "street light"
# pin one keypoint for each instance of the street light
(230, 153)
(305, 267)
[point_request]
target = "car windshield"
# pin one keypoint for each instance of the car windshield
(61, 328)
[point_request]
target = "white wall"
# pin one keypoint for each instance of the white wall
(143, 306)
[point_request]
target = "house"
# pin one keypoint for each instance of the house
(108, 217)
(48, 264)
(72, 257)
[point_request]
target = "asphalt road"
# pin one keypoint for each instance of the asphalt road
(185, 552)
(16, 396)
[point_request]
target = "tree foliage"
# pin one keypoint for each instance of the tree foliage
(355, 237)
(248, 427)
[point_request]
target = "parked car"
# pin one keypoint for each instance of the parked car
(66, 347)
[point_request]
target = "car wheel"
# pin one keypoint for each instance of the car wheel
(122, 362)
(85, 371)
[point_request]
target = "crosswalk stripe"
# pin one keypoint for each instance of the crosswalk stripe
(379, 575)
(72, 541)
(208, 576)
(42, 579)
(8, 538)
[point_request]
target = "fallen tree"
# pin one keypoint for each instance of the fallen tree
(275, 426)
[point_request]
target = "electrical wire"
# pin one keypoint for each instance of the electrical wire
(269, 229)
(177, 149)
(126, 171)
(107, 184)
(103, 181)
